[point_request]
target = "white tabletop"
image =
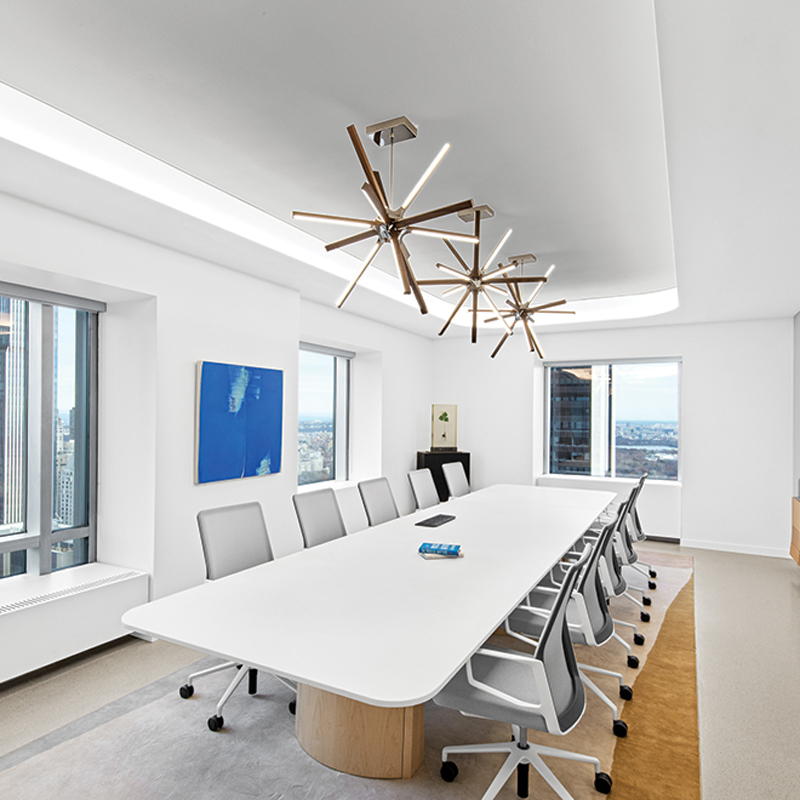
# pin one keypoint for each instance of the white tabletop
(365, 616)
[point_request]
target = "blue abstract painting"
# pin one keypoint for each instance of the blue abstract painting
(239, 421)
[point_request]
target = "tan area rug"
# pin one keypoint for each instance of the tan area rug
(153, 745)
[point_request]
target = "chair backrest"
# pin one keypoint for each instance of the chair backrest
(557, 655)
(455, 478)
(352, 509)
(233, 538)
(378, 500)
(633, 517)
(319, 516)
(627, 553)
(423, 487)
(613, 564)
(590, 588)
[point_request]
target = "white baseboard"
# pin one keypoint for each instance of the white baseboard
(728, 547)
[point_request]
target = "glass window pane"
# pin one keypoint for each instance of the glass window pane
(13, 380)
(570, 420)
(69, 553)
(12, 563)
(71, 424)
(646, 420)
(316, 415)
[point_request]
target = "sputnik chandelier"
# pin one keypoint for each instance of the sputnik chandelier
(479, 280)
(522, 310)
(391, 225)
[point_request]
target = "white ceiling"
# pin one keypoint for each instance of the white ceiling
(638, 146)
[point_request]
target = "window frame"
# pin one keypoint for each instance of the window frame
(341, 410)
(39, 536)
(592, 362)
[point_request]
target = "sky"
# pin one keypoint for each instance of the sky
(646, 392)
(315, 385)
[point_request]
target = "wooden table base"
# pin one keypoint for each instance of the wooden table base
(360, 739)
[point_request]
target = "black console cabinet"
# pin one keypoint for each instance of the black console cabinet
(433, 460)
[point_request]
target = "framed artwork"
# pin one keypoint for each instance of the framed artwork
(443, 427)
(239, 419)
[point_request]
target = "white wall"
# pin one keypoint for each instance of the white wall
(391, 393)
(736, 415)
(166, 311)
(495, 406)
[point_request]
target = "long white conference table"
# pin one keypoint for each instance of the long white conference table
(368, 628)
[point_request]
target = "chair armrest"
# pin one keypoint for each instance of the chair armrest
(536, 666)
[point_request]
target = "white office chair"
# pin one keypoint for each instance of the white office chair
(378, 500)
(543, 691)
(319, 516)
(455, 478)
(423, 488)
(233, 538)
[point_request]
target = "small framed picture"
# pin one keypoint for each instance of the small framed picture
(443, 427)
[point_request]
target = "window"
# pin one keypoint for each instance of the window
(615, 420)
(323, 414)
(47, 433)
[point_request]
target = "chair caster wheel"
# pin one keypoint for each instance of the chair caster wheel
(186, 691)
(620, 728)
(646, 601)
(644, 616)
(638, 639)
(602, 782)
(215, 723)
(626, 693)
(653, 573)
(633, 662)
(652, 585)
(448, 771)
(293, 706)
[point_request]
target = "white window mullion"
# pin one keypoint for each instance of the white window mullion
(40, 437)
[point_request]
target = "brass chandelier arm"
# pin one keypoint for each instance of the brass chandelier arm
(547, 305)
(452, 270)
(380, 189)
(474, 336)
(457, 255)
(535, 342)
(443, 282)
(375, 201)
(443, 211)
(455, 311)
(506, 280)
(363, 159)
(313, 217)
(352, 285)
(399, 259)
(503, 340)
(438, 234)
(496, 309)
(358, 237)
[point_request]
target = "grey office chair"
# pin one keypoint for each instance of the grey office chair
(423, 488)
(456, 478)
(319, 516)
(378, 500)
(233, 538)
(632, 531)
(588, 617)
(352, 509)
(543, 691)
